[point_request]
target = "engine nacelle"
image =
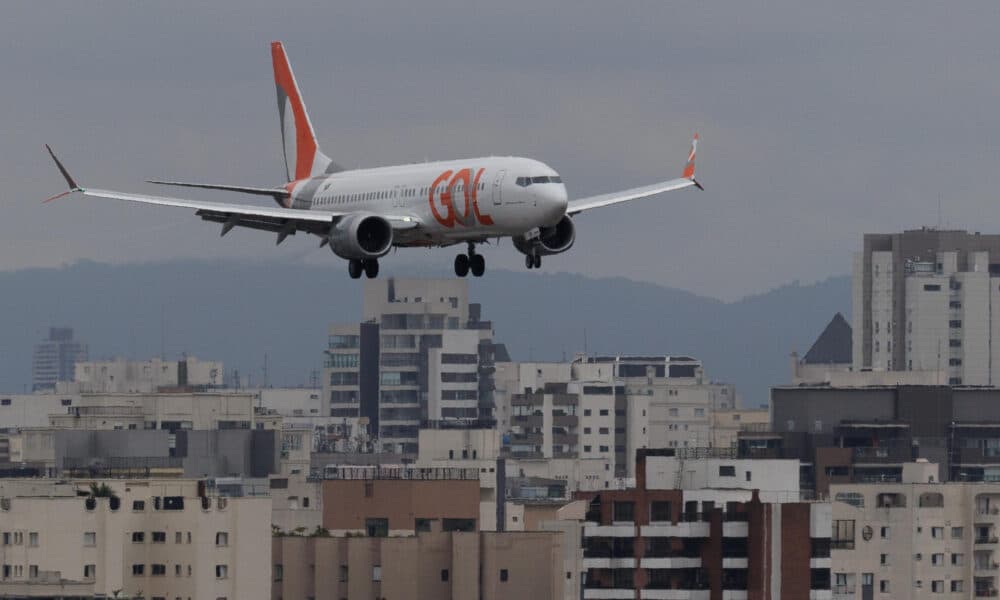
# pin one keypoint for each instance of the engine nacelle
(551, 240)
(361, 236)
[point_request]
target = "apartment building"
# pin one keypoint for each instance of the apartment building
(655, 541)
(53, 359)
(915, 538)
(429, 565)
(382, 501)
(606, 407)
(122, 376)
(421, 355)
(862, 434)
(161, 539)
(924, 300)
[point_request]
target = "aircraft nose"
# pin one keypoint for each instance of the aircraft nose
(554, 203)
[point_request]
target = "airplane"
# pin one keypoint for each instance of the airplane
(362, 214)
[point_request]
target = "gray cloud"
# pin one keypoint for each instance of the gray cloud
(820, 122)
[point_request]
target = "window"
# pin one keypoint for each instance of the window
(603, 448)
(5, 402)
(883, 586)
(937, 533)
(179, 538)
(586, 412)
(221, 571)
(138, 537)
(222, 538)
(929, 287)
(699, 412)
(444, 574)
(586, 430)
(343, 573)
(159, 537)
(673, 412)
(138, 569)
(66, 401)
(503, 575)
(937, 559)
(177, 570)
(885, 533)
(90, 538)
(32, 571)
(958, 559)
(33, 539)
(727, 471)
(749, 475)
(158, 570)
(660, 510)
(89, 571)
(603, 431)
(937, 586)
(883, 559)
(587, 448)
(956, 585)
(604, 412)
(623, 511)
(956, 533)
(377, 527)
(138, 505)
(377, 573)
(843, 534)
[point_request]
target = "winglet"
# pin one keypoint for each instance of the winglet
(689, 167)
(73, 187)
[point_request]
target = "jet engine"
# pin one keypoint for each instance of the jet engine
(361, 236)
(550, 240)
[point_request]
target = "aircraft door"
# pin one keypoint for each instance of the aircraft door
(498, 187)
(397, 198)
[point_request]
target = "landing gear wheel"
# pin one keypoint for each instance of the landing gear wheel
(354, 268)
(477, 263)
(529, 261)
(371, 268)
(538, 261)
(461, 265)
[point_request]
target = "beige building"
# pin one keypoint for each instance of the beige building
(727, 424)
(134, 376)
(163, 538)
(915, 539)
(432, 566)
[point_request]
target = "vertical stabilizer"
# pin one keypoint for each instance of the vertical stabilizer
(303, 158)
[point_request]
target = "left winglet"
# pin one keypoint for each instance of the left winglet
(689, 167)
(73, 187)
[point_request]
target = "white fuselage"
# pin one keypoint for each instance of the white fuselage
(453, 201)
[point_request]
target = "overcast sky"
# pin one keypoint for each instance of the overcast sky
(819, 121)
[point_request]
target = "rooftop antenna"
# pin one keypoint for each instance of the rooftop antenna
(584, 341)
(940, 219)
(163, 331)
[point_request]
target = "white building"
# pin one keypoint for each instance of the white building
(158, 538)
(421, 356)
(123, 376)
(916, 539)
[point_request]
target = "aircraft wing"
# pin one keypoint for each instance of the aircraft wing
(685, 180)
(284, 221)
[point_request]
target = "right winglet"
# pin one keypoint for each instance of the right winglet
(689, 167)
(73, 187)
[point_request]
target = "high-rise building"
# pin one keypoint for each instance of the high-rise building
(54, 359)
(421, 357)
(924, 300)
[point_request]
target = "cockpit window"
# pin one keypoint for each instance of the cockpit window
(526, 181)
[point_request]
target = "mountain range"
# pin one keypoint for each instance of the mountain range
(240, 311)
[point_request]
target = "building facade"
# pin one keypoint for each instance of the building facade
(924, 300)
(917, 538)
(421, 356)
(54, 359)
(134, 376)
(163, 539)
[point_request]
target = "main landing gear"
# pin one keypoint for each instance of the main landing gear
(356, 266)
(470, 262)
(533, 261)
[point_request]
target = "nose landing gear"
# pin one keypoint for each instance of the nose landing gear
(470, 262)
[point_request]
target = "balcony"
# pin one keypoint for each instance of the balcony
(564, 439)
(986, 567)
(883, 455)
(684, 530)
(735, 563)
(671, 562)
(978, 456)
(820, 595)
(985, 540)
(565, 420)
(532, 439)
(654, 594)
(609, 531)
(528, 420)
(734, 595)
(986, 593)
(591, 593)
(607, 562)
(737, 529)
